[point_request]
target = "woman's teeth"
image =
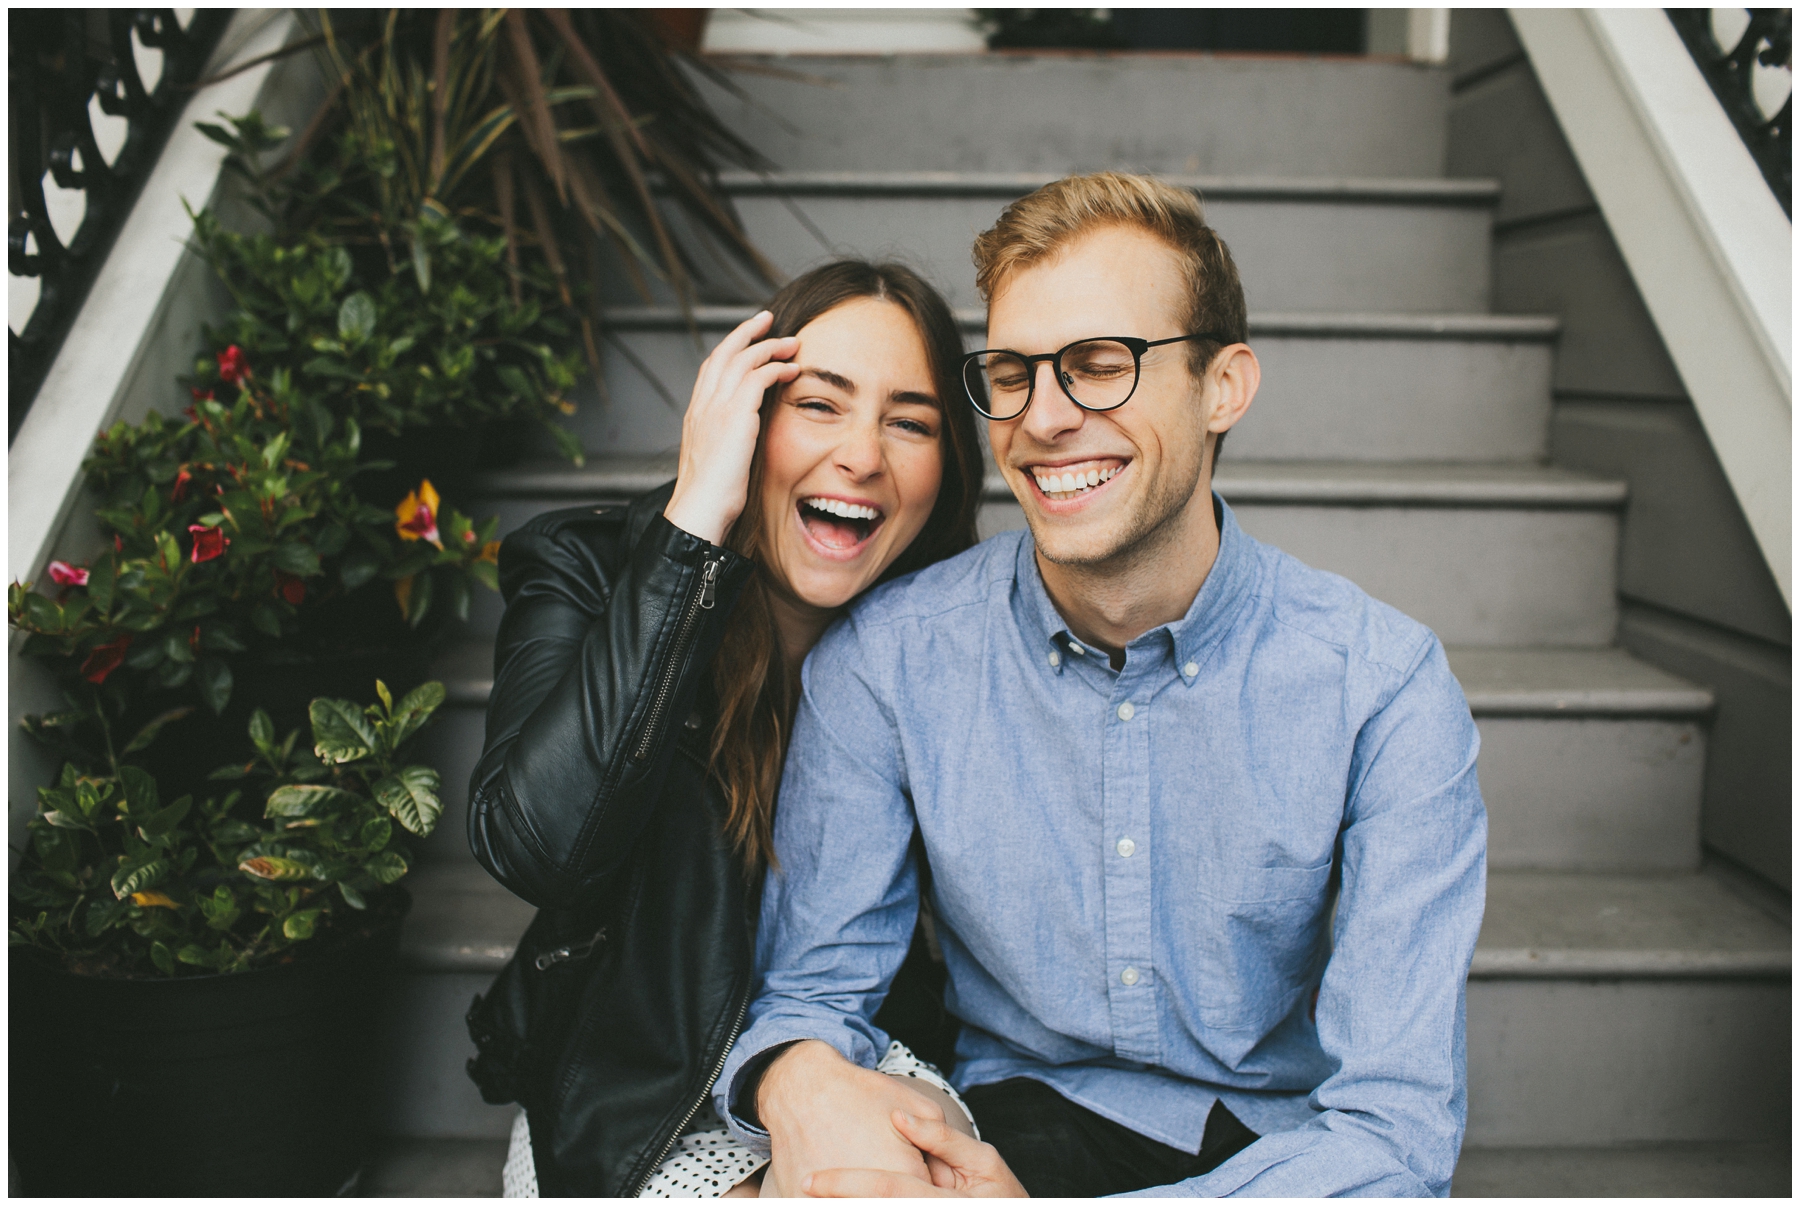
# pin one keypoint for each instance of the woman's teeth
(832, 506)
(1069, 485)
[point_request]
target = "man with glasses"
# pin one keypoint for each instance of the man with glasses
(1204, 842)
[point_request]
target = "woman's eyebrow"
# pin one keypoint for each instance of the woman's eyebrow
(835, 380)
(913, 395)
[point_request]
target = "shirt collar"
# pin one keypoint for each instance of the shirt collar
(1208, 618)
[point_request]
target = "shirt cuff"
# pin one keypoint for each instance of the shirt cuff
(756, 1049)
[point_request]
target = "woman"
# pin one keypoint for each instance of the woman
(647, 672)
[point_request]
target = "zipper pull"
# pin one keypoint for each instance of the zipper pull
(709, 582)
(576, 950)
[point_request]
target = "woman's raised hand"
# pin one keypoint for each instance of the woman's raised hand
(718, 436)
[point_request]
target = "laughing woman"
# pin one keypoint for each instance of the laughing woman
(645, 680)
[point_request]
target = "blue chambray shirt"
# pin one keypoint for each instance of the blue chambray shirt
(1248, 866)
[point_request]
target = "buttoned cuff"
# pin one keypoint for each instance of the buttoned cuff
(757, 1048)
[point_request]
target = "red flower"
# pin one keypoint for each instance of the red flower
(181, 481)
(232, 369)
(64, 574)
(290, 587)
(208, 542)
(469, 536)
(416, 516)
(105, 659)
(194, 639)
(200, 395)
(118, 545)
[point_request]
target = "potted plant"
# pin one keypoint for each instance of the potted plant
(247, 1077)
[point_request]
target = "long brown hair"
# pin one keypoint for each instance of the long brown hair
(756, 698)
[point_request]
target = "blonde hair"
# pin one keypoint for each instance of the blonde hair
(1037, 226)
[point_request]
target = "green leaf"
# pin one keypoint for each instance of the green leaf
(262, 730)
(214, 675)
(220, 909)
(140, 790)
(64, 820)
(129, 879)
(356, 317)
(278, 870)
(414, 710)
(299, 926)
(352, 897)
(231, 831)
(308, 799)
(296, 558)
(265, 619)
(411, 797)
(148, 733)
(421, 258)
(360, 564)
(341, 733)
(382, 693)
(198, 956)
(165, 819)
(159, 955)
(386, 867)
(375, 833)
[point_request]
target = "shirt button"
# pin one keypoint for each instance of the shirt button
(1127, 847)
(1077, 650)
(1129, 976)
(1055, 658)
(1126, 711)
(1191, 669)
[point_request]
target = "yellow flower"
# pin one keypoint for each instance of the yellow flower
(403, 593)
(417, 515)
(490, 552)
(147, 900)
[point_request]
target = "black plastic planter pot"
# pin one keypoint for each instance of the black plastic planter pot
(256, 1084)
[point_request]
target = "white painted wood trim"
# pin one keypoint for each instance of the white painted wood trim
(1705, 240)
(101, 373)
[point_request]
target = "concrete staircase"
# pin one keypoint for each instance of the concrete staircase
(1623, 992)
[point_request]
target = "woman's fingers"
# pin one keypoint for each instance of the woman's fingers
(735, 341)
(938, 1139)
(866, 1183)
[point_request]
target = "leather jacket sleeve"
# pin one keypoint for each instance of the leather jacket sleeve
(610, 626)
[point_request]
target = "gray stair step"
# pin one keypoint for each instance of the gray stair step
(1591, 760)
(1483, 554)
(1609, 1009)
(435, 1168)
(1411, 246)
(1155, 113)
(1602, 1009)
(1348, 386)
(1663, 1170)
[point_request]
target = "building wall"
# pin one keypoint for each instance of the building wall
(1697, 597)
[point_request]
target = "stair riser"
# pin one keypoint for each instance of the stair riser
(1375, 399)
(1570, 1062)
(1179, 113)
(1569, 794)
(1562, 794)
(1291, 255)
(1552, 1063)
(1475, 576)
(425, 1091)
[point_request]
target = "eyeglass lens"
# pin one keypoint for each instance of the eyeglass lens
(1098, 374)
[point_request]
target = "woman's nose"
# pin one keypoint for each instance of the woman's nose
(860, 453)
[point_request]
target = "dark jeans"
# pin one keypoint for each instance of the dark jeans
(1059, 1149)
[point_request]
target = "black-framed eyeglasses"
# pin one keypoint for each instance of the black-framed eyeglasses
(1096, 374)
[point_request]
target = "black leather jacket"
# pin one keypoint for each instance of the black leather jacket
(592, 800)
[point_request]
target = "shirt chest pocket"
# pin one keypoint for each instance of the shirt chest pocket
(1257, 939)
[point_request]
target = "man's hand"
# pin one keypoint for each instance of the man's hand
(961, 1167)
(822, 1111)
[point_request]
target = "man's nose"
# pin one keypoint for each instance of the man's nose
(1051, 414)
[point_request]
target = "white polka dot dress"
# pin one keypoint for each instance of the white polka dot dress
(707, 1159)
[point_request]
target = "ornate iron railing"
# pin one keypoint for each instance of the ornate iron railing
(1767, 40)
(58, 62)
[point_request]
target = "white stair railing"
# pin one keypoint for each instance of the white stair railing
(1704, 238)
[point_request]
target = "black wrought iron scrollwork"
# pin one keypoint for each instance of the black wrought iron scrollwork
(1767, 40)
(58, 60)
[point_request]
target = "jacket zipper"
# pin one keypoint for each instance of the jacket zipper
(684, 636)
(575, 950)
(724, 1054)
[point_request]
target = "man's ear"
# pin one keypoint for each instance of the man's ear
(1234, 375)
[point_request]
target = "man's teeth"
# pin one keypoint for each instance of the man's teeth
(1068, 485)
(832, 506)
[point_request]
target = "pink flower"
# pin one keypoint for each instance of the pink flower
(105, 659)
(64, 574)
(208, 542)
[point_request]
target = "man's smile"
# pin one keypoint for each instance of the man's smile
(1068, 481)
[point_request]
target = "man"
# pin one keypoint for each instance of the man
(1205, 846)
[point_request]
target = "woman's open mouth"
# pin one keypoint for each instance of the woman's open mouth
(839, 528)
